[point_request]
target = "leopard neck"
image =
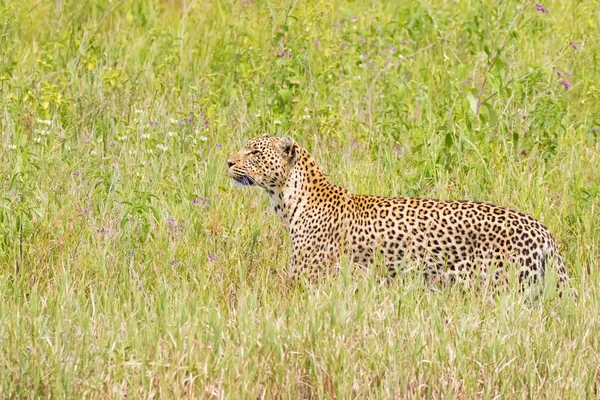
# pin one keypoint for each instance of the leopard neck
(304, 184)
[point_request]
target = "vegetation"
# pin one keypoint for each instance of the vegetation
(130, 266)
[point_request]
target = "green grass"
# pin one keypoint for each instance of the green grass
(102, 297)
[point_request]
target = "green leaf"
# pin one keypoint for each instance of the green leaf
(285, 95)
(472, 102)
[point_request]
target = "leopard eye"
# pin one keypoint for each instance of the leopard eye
(254, 152)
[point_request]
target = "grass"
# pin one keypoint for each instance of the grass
(130, 266)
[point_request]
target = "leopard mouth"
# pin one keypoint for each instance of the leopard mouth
(243, 180)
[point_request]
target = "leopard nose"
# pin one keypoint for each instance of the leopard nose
(230, 164)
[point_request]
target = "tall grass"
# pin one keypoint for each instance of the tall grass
(130, 267)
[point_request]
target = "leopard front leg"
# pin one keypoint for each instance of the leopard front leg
(313, 259)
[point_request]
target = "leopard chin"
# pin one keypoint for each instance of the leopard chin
(245, 180)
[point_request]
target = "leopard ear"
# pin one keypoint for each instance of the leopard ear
(289, 149)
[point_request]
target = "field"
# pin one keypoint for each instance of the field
(131, 267)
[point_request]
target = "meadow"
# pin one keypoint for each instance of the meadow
(131, 267)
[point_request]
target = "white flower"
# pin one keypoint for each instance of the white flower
(145, 136)
(277, 122)
(171, 134)
(173, 121)
(138, 111)
(44, 122)
(12, 146)
(99, 140)
(203, 138)
(37, 139)
(257, 115)
(162, 147)
(306, 116)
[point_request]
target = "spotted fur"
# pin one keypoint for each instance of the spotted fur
(451, 240)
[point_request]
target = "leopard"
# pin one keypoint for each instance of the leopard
(447, 240)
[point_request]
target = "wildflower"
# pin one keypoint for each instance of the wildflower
(75, 173)
(211, 257)
(218, 145)
(558, 73)
(277, 122)
(206, 201)
(281, 53)
(139, 287)
(290, 55)
(153, 123)
(85, 210)
(405, 42)
(566, 84)
(12, 146)
(171, 221)
(145, 136)
(541, 9)
(174, 121)
(138, 111)
(594, 129)
(171, 134)
(52, 189)
(190, 120)
(317, 43)
(196, 201)
(393, 49)
(343, 44)
(354, 18)
(175, 228)
(574, 46)
(398, 150)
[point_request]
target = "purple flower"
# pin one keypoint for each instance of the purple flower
(52, 189)
(393, 49)
(282, 53)
(75, 173)
(354, 18)
(196, 201)
(290, 55)
(566, 84)
(85, 210)
(206, 201)
(541, 9)
(153, 123)
(574, 46)
(405, 42)
(140, 287)
(398, 150)
(212, 257)
(558, 73)
(594, 129)
(317, 43)
(28, 348)
(171, 221)
(190, 120)
(172, 262)
(175, 228)
(218, 145)
(343, 44)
